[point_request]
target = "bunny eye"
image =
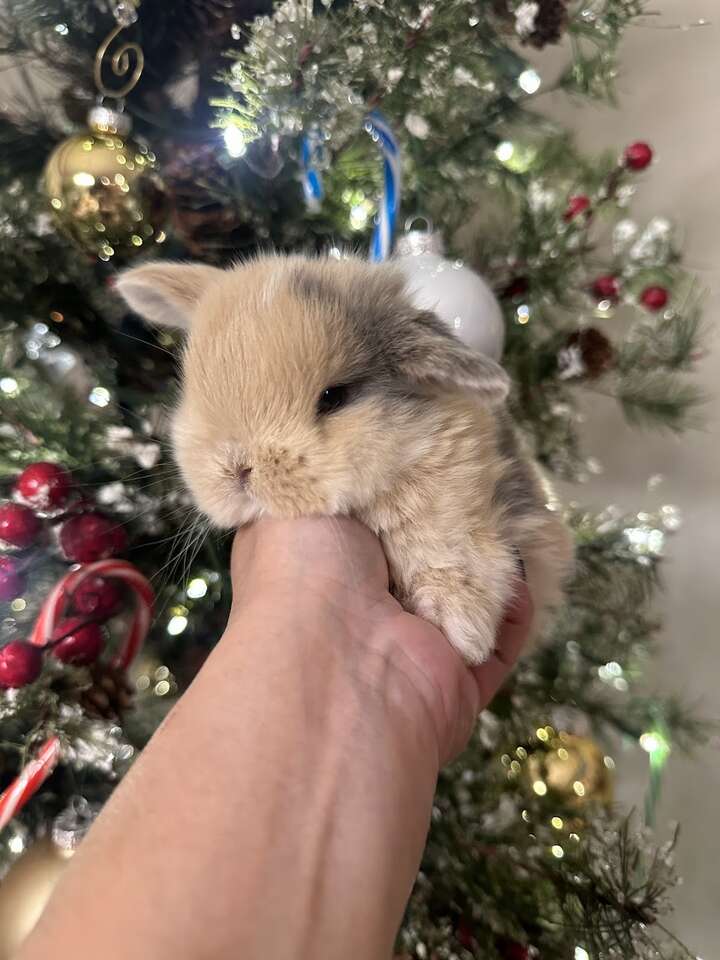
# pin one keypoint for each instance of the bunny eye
(332, 398)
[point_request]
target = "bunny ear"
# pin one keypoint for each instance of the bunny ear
(166, 294)
(431, 354)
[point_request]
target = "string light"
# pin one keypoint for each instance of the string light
(655, 744)
(16, 844)
(176, 625)
(360, 214)
(9, 386)
(504, 151)
(540, 788)
(99, 396)
(235, 143)
(557, 851)
(581, 954)
(197, 588)
(529, 81)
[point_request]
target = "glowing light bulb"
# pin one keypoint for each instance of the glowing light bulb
(99, 396)
(16, 844)
(197, 588)
(504, 150)
(234, 141)
(529, 81)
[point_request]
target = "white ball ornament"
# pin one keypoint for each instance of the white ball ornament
(453, 291)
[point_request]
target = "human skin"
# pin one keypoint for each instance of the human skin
(282, 808)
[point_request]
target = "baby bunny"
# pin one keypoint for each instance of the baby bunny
(313, 386)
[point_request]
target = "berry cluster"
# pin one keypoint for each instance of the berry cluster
(45, 504)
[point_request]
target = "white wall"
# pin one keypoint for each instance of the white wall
(669, 90)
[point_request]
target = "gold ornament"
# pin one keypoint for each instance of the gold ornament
(573, 767)
(103, 186)
(104, 189)
(25, 891)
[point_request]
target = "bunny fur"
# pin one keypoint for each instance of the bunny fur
(420, 450)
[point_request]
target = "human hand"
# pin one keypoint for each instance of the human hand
(296, 774)
(336, 565)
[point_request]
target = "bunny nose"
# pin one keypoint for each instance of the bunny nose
(243, 475)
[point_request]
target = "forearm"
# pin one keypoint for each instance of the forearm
(280, 812)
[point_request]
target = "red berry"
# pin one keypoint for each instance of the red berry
(81, 642)
(20, 664)
(638, 155)
(654, 298)
(606, 288)
(97, 596)
(91, 536)
(12, 581)
(18, 525)
(577, 205)
(464, 934)
(517, 287)
(43, 485)
(512, 950)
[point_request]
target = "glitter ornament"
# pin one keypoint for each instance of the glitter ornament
(453, 291)
(654, 298)
(19, 527)
(573, 767)
(97, 596)
(20, 664)
(577, 205)
(91, 536)
(606, 288)
(12, 581)
(638, 155)
(104, 189)
(78, 642)
(43, 486)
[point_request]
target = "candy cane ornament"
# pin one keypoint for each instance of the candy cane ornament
(60, 597)
(381, 132)
(36, 772)
(32, 777)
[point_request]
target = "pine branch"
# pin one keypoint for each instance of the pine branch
(657, 399)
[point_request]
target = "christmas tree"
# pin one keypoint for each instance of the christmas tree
(210, 129)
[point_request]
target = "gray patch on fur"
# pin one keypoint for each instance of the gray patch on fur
(394, 338)
(517, 490)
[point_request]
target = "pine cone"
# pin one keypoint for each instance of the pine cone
(550, 21)
(204, 223)
(587, 353)
(110, 694)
